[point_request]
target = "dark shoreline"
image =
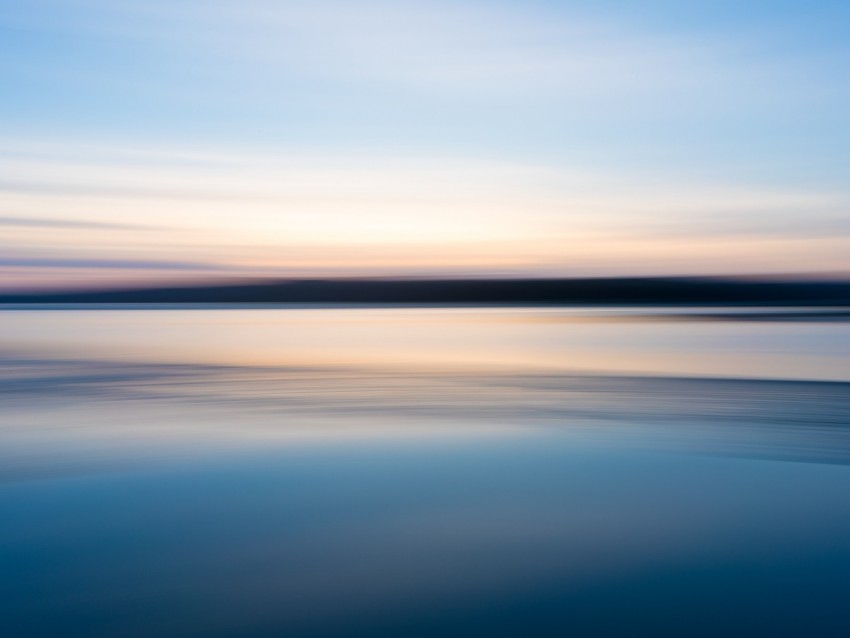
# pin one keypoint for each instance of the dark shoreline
(632, 292)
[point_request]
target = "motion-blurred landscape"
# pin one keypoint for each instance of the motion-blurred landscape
(419, 319)
(657, 291)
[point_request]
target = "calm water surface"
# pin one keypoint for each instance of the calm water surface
(422, 472)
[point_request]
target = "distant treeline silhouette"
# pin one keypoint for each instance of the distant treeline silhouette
(592, 291)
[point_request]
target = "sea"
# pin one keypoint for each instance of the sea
(339, 472)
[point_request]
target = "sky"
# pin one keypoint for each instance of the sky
(202, 139)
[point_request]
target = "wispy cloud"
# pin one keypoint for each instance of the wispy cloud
(65, 224)
(270, 213)
(108, 264)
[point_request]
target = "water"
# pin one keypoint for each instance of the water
(422, 472)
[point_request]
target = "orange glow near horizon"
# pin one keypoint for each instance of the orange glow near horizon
(97, 218)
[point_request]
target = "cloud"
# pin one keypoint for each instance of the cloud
(65, 224)
(269, 213)
(803, 224)
(109, 264)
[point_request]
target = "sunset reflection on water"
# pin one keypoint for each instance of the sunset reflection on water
(421, 472)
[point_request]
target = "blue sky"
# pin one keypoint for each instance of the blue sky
(362, 137)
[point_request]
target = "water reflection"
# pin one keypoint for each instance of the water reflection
(206, 496)
(660, 342)
(525, 537)
(61, 408)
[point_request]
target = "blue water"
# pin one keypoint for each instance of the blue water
(422, 472)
